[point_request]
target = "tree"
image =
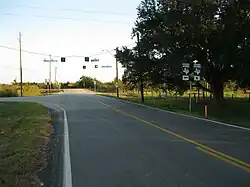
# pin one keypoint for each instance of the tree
(136, 66)
(216, 33)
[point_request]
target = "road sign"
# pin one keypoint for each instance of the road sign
(197, 71)
(84, 67)
(185, 65)
(94, 82)
(50, 60)
(186, 71)
(106, 66)
(185, 77)
(197, 65)
(197, 78)
(95, 60)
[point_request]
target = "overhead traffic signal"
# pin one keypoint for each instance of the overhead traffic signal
(63, 59)
(86, 59)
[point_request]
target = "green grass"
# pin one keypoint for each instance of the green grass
(235, 111)
(24, 133)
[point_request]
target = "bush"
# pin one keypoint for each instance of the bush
(8, 92)
(31, 90)
(14, 90)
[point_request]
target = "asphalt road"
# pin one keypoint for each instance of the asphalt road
(117, 144)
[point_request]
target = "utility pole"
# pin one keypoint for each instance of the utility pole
(116, 73)
(50, 73)
(50, 61)
(55, 75)
(117, 87)
(21, 69)
(141, 81)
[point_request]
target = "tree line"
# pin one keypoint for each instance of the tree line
(215, 33)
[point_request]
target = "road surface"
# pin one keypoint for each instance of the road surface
(117, 144)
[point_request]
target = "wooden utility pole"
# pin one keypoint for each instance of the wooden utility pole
(141, 79)
(21, 69)
(116, 69)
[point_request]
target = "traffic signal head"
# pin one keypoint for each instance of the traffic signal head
(84, 67)
(63, 59)
(86, 59)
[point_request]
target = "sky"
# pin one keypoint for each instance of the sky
(72, 29)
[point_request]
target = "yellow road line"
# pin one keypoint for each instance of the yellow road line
(236, 161)
(224, 159)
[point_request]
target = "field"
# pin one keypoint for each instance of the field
(24, 133)
(233, 111)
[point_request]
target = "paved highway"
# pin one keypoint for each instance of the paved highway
(116, 144)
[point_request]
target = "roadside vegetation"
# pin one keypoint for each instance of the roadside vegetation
(29, 89)
(233, 111)
(24, 134)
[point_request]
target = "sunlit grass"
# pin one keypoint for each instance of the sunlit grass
(24, 133)
(234, 111)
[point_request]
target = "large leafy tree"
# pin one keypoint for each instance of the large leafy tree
(216, 33)
(136, 64)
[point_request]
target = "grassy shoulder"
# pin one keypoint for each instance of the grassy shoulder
(230, 111)
(24, 134)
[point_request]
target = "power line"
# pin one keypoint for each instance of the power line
(74, 10)
(69, 56)
(66, 18)
(99, 53)
(25, 51)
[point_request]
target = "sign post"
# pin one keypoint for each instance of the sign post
(187, 77)
(95, 86)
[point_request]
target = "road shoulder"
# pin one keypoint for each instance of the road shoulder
(52, 174)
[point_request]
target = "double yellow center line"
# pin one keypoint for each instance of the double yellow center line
(219, 155)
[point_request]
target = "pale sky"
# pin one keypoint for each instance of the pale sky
(63, 28)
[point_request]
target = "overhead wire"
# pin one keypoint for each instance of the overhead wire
(69, 56)
(65, 18)
(73, 10)
(30, 52)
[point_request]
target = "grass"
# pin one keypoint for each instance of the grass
(24, 133)
(230, 111)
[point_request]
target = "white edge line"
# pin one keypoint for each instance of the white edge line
(105, 104)
(208, 120)
(67, 176)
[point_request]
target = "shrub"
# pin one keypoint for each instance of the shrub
(8, 92)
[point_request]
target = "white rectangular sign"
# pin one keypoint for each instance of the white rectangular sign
(185, 77)
(197, 65)
(185, 65)
(106, 66)
(197, 78)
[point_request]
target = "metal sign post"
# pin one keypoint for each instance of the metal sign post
(187, 77)
(95, 86)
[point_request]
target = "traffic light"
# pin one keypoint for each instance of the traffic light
(86, 59)
(96, 66)
(63, 59)
(84, 67)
